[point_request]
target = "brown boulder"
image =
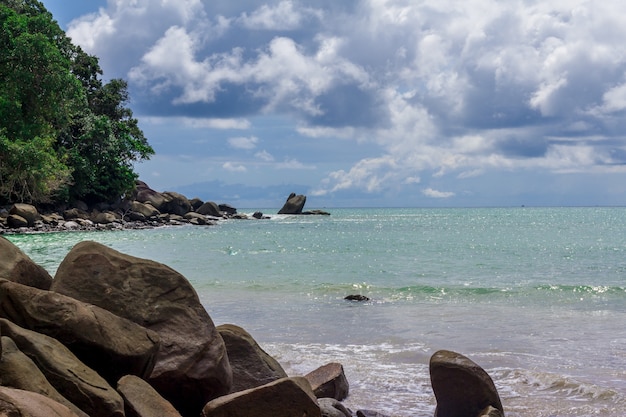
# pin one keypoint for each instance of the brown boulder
(18, 371)
(176, 203)
(145, 209)
(251, 365)
(14, 221)
(16, 266)
(145, 194)
(192, 365)
(20, 403)
(209, 209)
(141, 400)
(111, 345)
(461, 387)
(329, 381)
(105, 218)
(294, 204)
(286, 397)
(26, 211)
(66, 373)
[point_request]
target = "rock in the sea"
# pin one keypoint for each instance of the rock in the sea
(195, 203)
(145, 194)
(141, 400)
(461, 387)
(491, 412)
(356, 297)
(209, 209)
(329, 381)
(176, 203)
(111, 345)
(294, 204)
(66, 373)
(19, 371)
(25, 211)
(192, 365)
(20, 403)
(251, 365)
(16, 266)
(257, 215)
(333, 408)
(145, 209)
(287, 397)
(228, 209)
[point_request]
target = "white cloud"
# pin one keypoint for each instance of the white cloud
(293, 164)
(429, 192)
(242, 142)
(264, 156)
(200, 123)
(234, 167)
(282, 16)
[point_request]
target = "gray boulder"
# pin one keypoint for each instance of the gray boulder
(333, 408)
(141, 400)
(145, 209)
(293, 205)
(209, 209)
(145, 194)
(192, 365)
(25, 211)
(176, 203)
(287, 397)
(111, 345)
(329, 381)
(16, 266)
(251, 365)
(66, 373)
(461, 387)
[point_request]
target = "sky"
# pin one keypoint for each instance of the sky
(372, 103)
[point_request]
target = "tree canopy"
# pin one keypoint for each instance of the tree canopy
(64, 133)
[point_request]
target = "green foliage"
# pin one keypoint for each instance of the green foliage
(65, 134)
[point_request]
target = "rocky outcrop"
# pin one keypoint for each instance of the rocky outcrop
(329, 381)
(16, 266)
(461, 387)
(251, 365)
(287, 397)
(141, 400)
(20, 403)
(192, 366)
(111, 345)
(209, 209)
(294, 204)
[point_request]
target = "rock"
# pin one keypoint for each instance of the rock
(251, 365)
(111, 345)
(14, 221)
(369, 413)
(25, 211)
(105, 218)
(195, 203)
(176, 203)
(461, 387)
(228, 209)
(145, 194)
(195, 218)
(146, 209)
(71, 225)
(491, 412)
(329, 381)
(75, 213)
(18, 371)
(66, 373)
(316, 213)
(333, 408)
(356, 297)
(257, 215)
(192, 366)
(141, 400)
(293, 205)
(287, 397)
(19, 403)
(209, 209)
(16, 266)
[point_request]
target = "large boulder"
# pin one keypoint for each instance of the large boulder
(294, 204)
(461, 387)
(333, 408)
(145, 209)
(19, 371)
(145, 194)
(15, 221)
(286, 397)
(16, 266)
(176, 203)
(20, 403)
(66, 373)
(111, 345)
(329, 381)
(251, 365)
(26, 211)
(192, 366)
(141, 400)
(209, 209)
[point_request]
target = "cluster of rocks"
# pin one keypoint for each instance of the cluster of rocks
(147, 208)
(114, 335)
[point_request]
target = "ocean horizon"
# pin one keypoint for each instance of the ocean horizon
(534, 295)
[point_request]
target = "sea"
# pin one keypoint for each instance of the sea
(535, 296)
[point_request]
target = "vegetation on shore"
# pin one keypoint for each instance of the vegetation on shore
(64, 133)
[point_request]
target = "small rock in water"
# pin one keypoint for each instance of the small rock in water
(356, 297)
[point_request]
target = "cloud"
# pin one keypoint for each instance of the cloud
(282, 16)
(429, 192)
(241, 142)
(293, 164)
(264, 156)
(200, 123)
(234, 167)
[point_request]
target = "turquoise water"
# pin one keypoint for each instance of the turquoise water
(537, 296)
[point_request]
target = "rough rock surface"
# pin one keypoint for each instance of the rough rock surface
(141, 400)
(111, 345)
(209, 209)
(25, 211)
(294, 204)
(329, 381)
(461, 387)
(287, 397)
(66, 373)
(16, 266)
(251, 365)
(19, 403)
(18, 371)
(192, 366)
(333, 408)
